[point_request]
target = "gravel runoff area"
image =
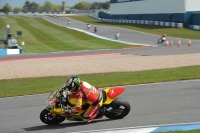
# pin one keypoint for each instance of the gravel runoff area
(75, 65)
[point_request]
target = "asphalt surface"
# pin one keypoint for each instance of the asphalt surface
(151, 104)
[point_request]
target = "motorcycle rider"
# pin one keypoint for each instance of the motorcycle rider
(162, 39)
(83, 92)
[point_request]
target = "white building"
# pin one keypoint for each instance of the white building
(155, 10)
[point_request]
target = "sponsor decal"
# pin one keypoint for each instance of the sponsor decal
(112, 92)
(90, 115)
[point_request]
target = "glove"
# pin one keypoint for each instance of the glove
(64, 100)
(67, 110)
(64, 86)
(70, 111)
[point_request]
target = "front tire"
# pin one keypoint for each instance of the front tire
(47, 118)
(118, 109)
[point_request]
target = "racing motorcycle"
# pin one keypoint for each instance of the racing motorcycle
(112, 107)
(162, 39)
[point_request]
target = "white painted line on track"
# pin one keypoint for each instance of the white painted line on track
(167, 82)
(138, 129)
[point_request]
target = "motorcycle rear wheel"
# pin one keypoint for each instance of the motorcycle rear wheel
(47, 118)
(118, 109)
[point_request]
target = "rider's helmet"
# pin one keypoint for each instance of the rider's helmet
(73, 83)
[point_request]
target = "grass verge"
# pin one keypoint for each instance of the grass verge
(16, 87)
(153, 29)
(41, 36)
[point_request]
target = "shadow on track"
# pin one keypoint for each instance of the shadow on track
(60, 126)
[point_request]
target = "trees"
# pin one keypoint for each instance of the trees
(34, 6)
(99, 5)
(48, 6)
(95, 5)
(30, 6)
(7, 8)
(26, 6)
(106, 5)
(83, 5)
(18, 9)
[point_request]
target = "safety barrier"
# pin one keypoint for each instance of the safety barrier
(17, 50)
(10, 51)
(195, 27)
(147, 22)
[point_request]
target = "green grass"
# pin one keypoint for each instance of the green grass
(159, 30)
(42, 36)
(16, 87)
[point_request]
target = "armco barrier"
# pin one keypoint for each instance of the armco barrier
(195, 27)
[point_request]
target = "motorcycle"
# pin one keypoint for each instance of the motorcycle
(112, 107)
(161, 40)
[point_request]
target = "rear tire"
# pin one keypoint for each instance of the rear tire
(47, 118)
(118, 109)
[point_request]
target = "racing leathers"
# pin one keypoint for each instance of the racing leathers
(87, 94)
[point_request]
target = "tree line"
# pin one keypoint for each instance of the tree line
(48, 6)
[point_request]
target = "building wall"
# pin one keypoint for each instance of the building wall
(192, 5)
(196, 19)
(181, 11)
(192, 9)
(147, 6)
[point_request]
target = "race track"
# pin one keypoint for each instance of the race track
(152, 104)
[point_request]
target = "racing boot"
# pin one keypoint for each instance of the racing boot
(100, 113)
(90, 118)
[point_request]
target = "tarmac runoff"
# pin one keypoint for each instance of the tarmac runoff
(149, 129)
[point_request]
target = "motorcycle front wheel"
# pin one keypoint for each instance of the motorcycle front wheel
(47, 118)
(118, 109)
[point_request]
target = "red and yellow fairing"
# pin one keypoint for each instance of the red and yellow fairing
(112, 93)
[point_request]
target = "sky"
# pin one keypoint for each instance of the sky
(20, 3)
